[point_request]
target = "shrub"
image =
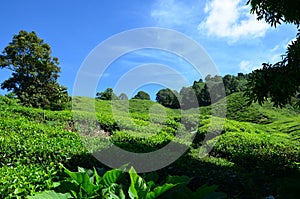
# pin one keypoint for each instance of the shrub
(260, 152)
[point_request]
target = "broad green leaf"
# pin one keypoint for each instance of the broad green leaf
(50, 195)
(150, 184)
(110, 177)
(114, 191)
(83, 180)
(75, 194)
(82, 170)
(56, 184)
(97, 177)
(159, 191)
(138, 187)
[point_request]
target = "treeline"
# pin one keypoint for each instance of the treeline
(201, 93)
(109, 94)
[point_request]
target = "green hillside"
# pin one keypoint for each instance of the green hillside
(256, 155)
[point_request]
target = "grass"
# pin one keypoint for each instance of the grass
(256, 155)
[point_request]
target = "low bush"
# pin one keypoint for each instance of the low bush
(258, 152)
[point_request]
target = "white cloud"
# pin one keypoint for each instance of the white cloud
(272, 56)
(231, 19)
(175, 14)
(247, 67)
(275, 48)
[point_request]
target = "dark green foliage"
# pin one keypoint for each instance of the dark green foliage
(202, 93)
(270, 81)
(237, 108)
(119, 185)
(260, 152)
(276, 12)
(142, 95)
(279, 81)
(188, 98)
(168, 98)
(235, 84)
(88, 184)
(34, 72)
(250, 160)
(204, 96)
(129, 141)
(203, 192)
(33, 142)
(108, 94)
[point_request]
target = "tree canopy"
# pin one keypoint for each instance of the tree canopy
(202, 93)
(34, 72)
(168, 98)
(279, 81)
(142, 95)
(108, 94)
(188, 98)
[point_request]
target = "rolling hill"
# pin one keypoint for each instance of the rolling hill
(256, 155)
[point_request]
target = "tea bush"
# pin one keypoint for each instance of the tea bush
(259, 147)
(260, 152)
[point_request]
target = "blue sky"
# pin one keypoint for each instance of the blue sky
(234, 39)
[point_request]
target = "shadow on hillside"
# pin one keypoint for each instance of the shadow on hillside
(234, 180)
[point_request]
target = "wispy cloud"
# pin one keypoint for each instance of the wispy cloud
(156, 56)
(273, 55)
(235, 39)
(176, 14)
(231, 19)
(247, 67)
(279, 50)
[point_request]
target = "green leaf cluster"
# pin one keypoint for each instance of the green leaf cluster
(117, 184)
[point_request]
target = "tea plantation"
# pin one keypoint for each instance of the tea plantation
(257, 154)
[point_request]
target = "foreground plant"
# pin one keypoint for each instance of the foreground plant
(116, 184)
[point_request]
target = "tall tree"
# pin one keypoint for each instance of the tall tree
(108, 94)
(34, 72)
(198, 86)
(204, 96)
(188, 98)
(168, 98)
(142, 95)
(280, 81)
(231, 84)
